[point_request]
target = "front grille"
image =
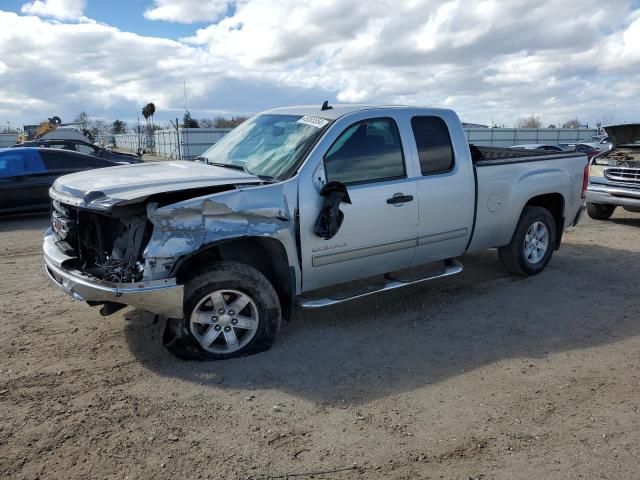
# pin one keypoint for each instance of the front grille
(628, 175)
(64, 223)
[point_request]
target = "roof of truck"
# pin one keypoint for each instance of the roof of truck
(339, 110)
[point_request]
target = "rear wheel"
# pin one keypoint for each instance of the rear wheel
(231, 310)
(532, 244)
(600, 211)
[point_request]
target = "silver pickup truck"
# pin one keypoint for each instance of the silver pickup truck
(614, 175)
(307, 207)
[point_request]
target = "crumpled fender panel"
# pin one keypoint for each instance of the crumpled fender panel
(187, 226)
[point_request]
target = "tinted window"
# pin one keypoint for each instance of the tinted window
(366, 151)
(434, 144)
(65, 160)
(20, 162)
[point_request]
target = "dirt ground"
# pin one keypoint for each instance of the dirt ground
(482, 375)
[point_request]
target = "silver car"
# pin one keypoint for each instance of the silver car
(602, 143)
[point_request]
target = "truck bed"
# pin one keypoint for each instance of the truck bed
(487, 156)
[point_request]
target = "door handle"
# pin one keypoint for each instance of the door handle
(399, 198)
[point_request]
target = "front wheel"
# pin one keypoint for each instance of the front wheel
(600, 211)
(231, 310)
(532, 244)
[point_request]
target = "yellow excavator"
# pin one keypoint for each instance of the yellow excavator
(33, 132)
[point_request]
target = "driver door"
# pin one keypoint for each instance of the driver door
(379, 230)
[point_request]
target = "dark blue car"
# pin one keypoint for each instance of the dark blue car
(27, 173)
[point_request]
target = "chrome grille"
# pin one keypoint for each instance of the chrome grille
(63, 221)
(629, 175)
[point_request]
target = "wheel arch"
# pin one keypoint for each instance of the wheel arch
(554, 202)
(265, 254)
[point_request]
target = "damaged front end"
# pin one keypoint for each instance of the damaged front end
(108, 247)
(128, 252)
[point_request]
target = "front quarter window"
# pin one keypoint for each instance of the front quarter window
(269, 145)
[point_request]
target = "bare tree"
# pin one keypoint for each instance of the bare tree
(206, 123)
(221, 122)
(531, 121)
(573, 123)
(97, 127)
(83, 120)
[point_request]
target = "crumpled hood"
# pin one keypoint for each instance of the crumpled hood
(130, 182)
(624, 134)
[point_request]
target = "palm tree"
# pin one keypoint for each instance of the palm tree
(151, 109)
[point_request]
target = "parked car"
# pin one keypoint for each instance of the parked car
(614, 175)
(539, 146)
(588, 150)
(296, 201)
(601, 143)
(27, 173)
(82, 147)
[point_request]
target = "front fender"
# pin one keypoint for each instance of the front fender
(186, 227)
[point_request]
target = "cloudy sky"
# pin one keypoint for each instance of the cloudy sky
(488, 59)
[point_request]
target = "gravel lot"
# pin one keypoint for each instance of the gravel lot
(480, 376)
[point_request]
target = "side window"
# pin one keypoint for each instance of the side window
(434, 144)
(11, 165)
(24, 162)
(367, 151)
(64, 160)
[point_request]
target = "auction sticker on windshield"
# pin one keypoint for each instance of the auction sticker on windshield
(317, 122)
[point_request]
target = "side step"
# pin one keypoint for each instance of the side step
(451, 267)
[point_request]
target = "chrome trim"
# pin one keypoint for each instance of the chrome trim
(442, 236)
(453, 269)
(66, 199)
(614, 191)
(614, 196)
(336, 257)
(164, 297)
(623, 174)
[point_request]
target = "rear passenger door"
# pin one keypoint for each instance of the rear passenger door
(446, 191)
(378, 233)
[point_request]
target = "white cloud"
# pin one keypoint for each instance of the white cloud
(486, 59)
(187, 11)
(59, 9)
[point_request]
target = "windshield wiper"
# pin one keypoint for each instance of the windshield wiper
(227, 165)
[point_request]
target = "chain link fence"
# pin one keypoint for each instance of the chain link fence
(176, 144)
(188, 143)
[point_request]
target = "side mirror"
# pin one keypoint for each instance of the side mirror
(331, 217)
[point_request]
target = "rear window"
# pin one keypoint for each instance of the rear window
(20, 162)
(434, 144)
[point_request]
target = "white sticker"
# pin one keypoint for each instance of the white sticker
(317, 122)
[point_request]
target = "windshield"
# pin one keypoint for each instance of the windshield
(267, 145)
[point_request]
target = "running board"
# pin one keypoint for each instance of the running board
(452, 267)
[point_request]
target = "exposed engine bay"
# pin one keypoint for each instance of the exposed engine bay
(106, 246)
(628, 157)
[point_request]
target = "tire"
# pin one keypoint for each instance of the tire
(521, 257)
(254, 330)
(600, 211)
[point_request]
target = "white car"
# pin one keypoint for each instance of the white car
(602, 143)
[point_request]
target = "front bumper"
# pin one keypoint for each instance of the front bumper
(621, 197)
(163, 297)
